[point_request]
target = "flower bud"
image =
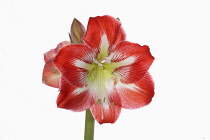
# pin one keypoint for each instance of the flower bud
(77, 32)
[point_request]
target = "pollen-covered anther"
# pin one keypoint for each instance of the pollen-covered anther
(104, 100)
(98, 63)
(98, 102)
(106, 60)
(103, 61)
(112, 103)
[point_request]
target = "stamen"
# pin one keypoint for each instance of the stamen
(98, 102)
(106, 60)
(103, 61)
(104, 99)
(95, 61)
(112, 104)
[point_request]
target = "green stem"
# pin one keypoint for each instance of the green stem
(89, 126)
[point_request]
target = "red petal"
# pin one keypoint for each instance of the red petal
(136, 95)
(51, 75)
(103, 115)
(133, 60)
(53, 52)
(73, 98)
(67, 59)
(49, 55)
(114, 97)
(61, 45)
(98, 26)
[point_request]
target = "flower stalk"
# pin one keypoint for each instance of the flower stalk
(89, 126)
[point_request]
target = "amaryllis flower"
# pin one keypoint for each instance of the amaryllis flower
(51, 75)
(106, 73)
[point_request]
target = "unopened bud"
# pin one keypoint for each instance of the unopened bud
(77, 32)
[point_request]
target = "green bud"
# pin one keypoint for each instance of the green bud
(77, 32)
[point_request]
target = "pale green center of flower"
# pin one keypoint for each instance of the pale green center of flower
(100, 77)
(100, 80)
(102, 73)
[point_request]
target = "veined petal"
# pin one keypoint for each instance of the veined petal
(74, 98)
(53, 52)
(50, 54)
(107, 110)
(74, 61)
(131, 61)
(114, 97)
(136, 95)
(51, 75)
(98, 26)
(105, 114)
(61, 45)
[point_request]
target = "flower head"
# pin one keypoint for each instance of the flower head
(106, 73)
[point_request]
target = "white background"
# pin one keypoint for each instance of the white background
(178, 34)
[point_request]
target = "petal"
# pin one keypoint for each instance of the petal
(73, 61)
(49, 55)
(73, 98)
(131, 60)
(136, 95)
(98, 26)
(61, 45)
(51, 75)
(105, 114)
(53, 52)
(114, 97)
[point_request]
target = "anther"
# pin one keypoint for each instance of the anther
(112, 104)
(104, 99)
(95, 61)
(103, 61)
(98, 102)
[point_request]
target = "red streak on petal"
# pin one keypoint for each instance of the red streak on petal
(69, 99)
(143, 59)
(132, 99)
(66, 59)
(98, 26)
(103, 115)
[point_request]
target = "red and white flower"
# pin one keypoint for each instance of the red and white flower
(106, 73)
(51, 75)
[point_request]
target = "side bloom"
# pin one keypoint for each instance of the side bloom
(51, 75)
(106, 73)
